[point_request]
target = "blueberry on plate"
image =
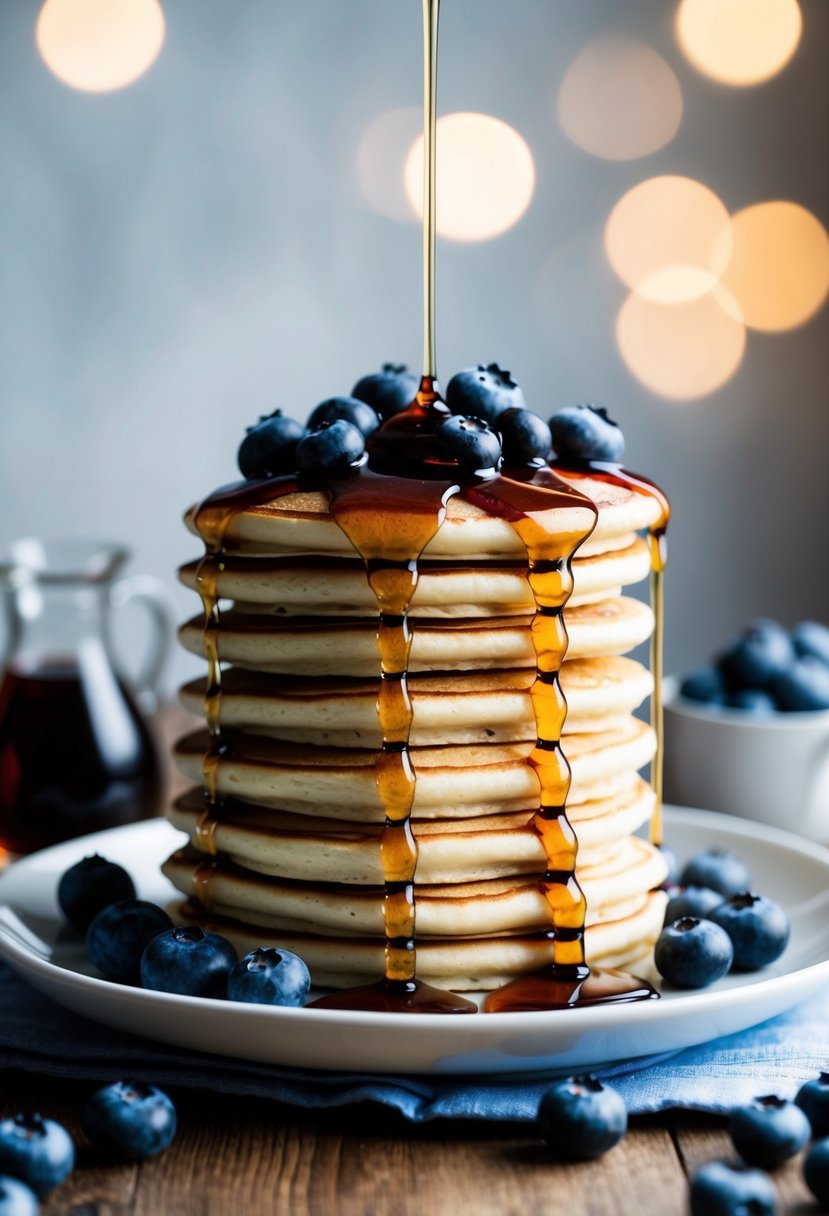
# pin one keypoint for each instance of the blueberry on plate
(692, 952)
(334, 447)
(722, 1189)
(767, 1131)
(130, 1120)
(585, 432)
(470, 441)
(811, 638)
(90, 885)
(269, 977)
(388, 391)
(691, 901)
(757, 926)
(581, 1118)
(719, 869)
(38, 1151)
(345, 409)
(17, 1199)
(188, 961)
(524, 436)
(706, 685)
(483, 392)
(754, 701)
(761, 653)
(813, 1099)
(816, 1171)
(119, 935)
(269, 448)
(804, 688)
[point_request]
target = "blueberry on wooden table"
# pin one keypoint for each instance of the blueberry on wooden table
(38, 1151)
(581, 1118)
(130, 1120)
(188, 961)
(813, 1099)
(768, 1131)
(483, 392)
(816, 1171)
(722, 1189)
(269, 447)
(388, 391)
(586, 432)
(757, 926)
(89, 886)
(268, 976)
(119, 935)
(345, 409)
(693, 953)
(719, 869)
(332, 447)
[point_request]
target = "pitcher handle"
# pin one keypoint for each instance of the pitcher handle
(153, 595)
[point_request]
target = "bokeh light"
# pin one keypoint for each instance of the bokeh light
(681, 351)
(99, 45)
(778, 271)
(739, 42)
(485, 176)
(619, 99)
(381, 156)
(668, 238)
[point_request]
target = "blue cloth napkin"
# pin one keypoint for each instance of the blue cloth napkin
(38, 1036)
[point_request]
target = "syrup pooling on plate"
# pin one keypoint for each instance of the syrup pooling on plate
(614, 474)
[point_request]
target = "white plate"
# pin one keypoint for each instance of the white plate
(794, 872)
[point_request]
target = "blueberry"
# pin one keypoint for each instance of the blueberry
(470, 441)
(816, 1171)
(269, 447)
(719, 869)
(388, 391)
(762, 653)
(669, 857)
(188, 961)
(38, 1151)
(585, 432)
(118, 936)
(130, 1120)
(693, 953)
(332, 448)
(804, 687)
(757, 926)
(811, 638)
(691, 901)
(90, 885)
(754, 701)
(722, 1189)
(767, 1131)
(705, 684)
(17, 1199)
(483, 392)
(345, 409)
(525, 437)
(813, 1098)
(269, 977)
(581, 1118)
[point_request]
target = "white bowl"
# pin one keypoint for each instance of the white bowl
(773, 768)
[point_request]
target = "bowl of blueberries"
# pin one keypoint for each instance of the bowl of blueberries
(748, 733)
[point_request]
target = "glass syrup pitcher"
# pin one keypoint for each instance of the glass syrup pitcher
(76, 754)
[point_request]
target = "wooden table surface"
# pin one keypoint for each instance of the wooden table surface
(240, 1157)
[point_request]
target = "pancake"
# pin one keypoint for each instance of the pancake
(452, 781)
(512, 904)
(494, 706)
(336, 647)
(338, 586)
(311, 848)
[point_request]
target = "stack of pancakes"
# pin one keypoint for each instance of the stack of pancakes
(288, 852)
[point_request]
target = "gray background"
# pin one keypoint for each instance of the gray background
(178, 257)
